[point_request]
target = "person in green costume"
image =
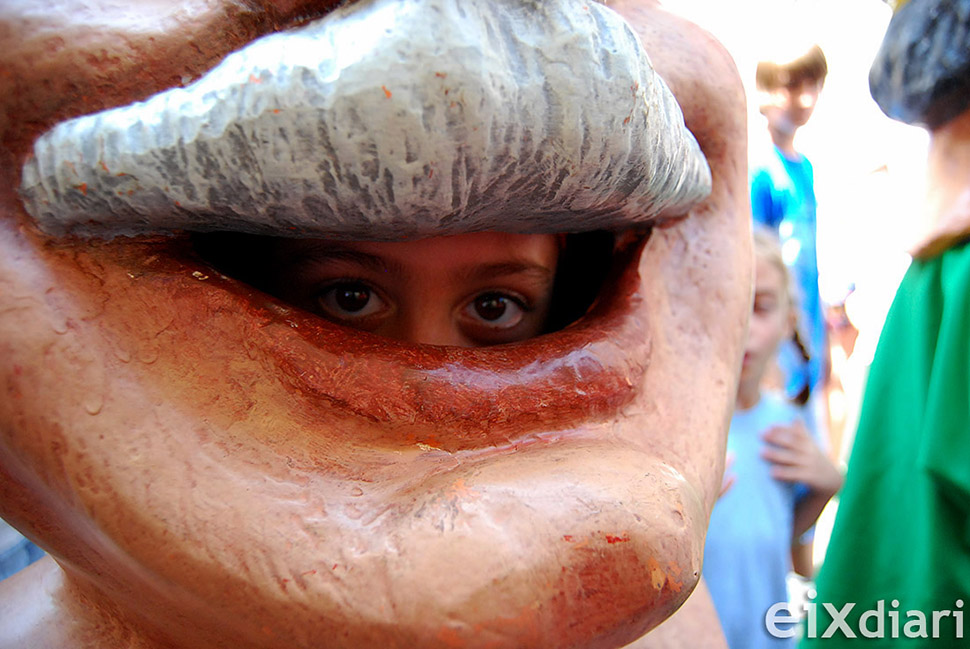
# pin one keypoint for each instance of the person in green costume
(897, 569)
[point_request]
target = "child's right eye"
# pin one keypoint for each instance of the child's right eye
(497, 310)
(350, 300)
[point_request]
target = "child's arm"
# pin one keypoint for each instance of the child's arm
(797, 458)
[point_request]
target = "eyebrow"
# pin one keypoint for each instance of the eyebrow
(314, 251)
(334, 251)
(767, 295)
(480, 272)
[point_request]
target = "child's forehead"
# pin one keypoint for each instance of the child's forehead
(462, 250)
(769, 275)
(489, 240)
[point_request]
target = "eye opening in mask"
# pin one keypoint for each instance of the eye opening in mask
(585, 262)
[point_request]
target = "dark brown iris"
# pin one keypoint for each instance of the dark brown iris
(351, 297)
(491, 307)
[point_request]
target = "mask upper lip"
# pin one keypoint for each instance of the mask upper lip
(387, 120)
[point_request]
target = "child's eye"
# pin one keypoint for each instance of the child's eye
(349, 300)
(496, 310)
(764, 305)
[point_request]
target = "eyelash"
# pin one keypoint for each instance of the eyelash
(323, 291)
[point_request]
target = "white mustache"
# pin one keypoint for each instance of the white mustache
(384, 120)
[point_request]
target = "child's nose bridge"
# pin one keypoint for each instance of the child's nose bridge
(427, 322)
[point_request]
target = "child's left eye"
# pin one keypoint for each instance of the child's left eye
(349, 300)
(496, 310)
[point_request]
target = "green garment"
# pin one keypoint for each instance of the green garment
(902, 531)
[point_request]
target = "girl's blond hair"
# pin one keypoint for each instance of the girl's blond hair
(767, 247)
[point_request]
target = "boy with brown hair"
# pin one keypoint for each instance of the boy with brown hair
(783, 198)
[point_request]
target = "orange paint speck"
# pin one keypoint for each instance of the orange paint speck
(177, 204)
(459, 488)
(626, 121)
(578, 544)
(387, 93)
(440, 75)
(83, 187)
(675, 585)
(657, 575)
(105, 167)
(276, 110)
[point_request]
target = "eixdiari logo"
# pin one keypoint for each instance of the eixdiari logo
(880, 622)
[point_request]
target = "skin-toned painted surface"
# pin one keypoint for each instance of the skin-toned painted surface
(210, 466)
(708, 88)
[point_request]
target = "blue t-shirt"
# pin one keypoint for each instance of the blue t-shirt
(783, 199)
(747, 556)
(16, 552)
